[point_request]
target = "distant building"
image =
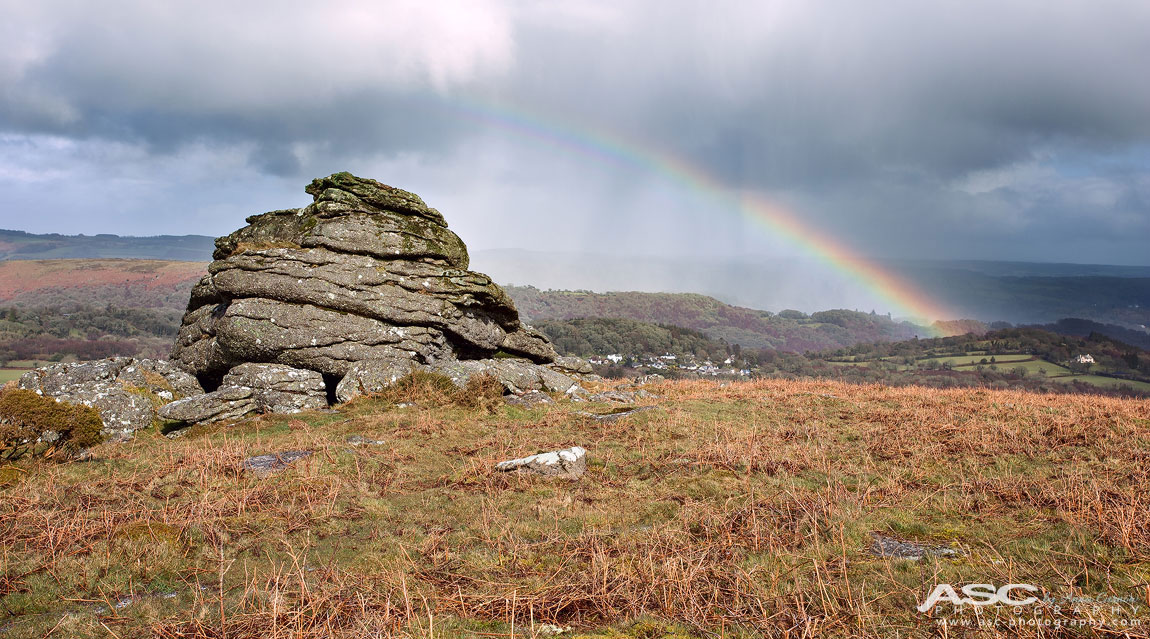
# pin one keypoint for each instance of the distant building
(1084, 359)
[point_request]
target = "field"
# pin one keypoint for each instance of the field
(734, 510)
(1106, 382)
(18, 367)
(973, 359)
(1008, 363)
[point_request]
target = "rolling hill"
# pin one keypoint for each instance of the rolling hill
(18, 245)
(98, 282)
(786, 331)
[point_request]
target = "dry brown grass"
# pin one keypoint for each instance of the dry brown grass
(743, 510)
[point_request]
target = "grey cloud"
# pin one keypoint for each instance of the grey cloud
(899, 127)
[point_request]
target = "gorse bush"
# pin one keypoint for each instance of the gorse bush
(484, 392)
(481, 391)
(25, 416)
(420, 387)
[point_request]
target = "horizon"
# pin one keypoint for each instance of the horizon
(746, 257)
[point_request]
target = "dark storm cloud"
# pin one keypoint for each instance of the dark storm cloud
(905, 127)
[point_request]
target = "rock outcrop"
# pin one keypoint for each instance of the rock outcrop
(366, 272)
(126, 391)
(338, 299)
(252, 388)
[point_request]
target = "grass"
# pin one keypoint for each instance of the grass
(1032, 366)
(1106, 382)
(972, 359)
(731, 511)
(29, 363)
(11, 374)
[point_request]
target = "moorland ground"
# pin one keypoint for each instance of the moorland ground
(741, 509)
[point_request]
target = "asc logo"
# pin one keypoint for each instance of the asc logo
(979, 595)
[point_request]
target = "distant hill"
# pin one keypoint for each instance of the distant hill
(1017, 292)
(98, 282)
(1086, 328)
(597, 336)
(18, 245)
(788, 330)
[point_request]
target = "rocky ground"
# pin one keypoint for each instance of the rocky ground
(750, 509)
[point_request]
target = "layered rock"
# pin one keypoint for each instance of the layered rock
(340, 298)
(126, 391)
(252, 388)
(365, 273)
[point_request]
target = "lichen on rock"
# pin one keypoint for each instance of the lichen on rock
(365, 277)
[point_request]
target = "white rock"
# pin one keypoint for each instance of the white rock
(571, 463)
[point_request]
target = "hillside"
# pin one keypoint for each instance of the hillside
(1086, 328)
(64, 310)
(1027, 358)
(787, 331)
(18, 245)
(1018, 292)
(744, 510)
(594, 336)
(102, 282)
(1030, 358)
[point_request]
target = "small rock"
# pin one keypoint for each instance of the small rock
(568, 464)
(516, 375)
(372, 376)
(252, 388)
(121, 388)
(611, 417)
(577, 393)
(571, 365)
(264, 464)
(884, 546)
(360, 440)
(280, 389)
(617, 396)
(225, 403)
(529, 399)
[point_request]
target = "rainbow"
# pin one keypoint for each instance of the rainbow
(903, 298)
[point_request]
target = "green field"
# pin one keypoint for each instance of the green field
(1034, 366)
(28, 363)
(9, 374)
(973, 359)
(1104, 382)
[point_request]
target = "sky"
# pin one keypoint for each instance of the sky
(901, 129)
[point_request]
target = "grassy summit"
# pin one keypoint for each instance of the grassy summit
(739, 510)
